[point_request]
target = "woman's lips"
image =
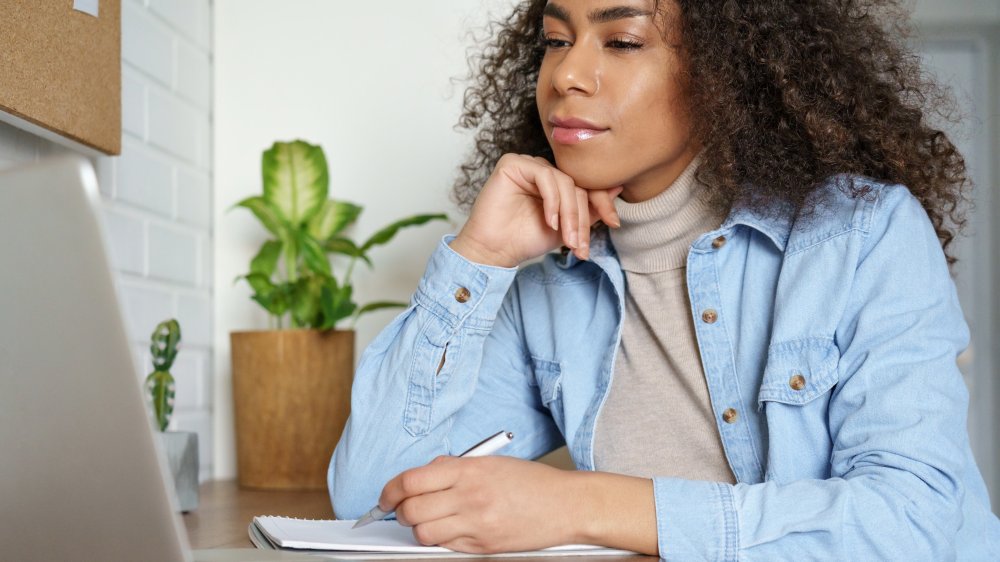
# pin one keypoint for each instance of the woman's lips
(571, 135)
(573, 130)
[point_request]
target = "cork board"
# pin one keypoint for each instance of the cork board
(60, 69)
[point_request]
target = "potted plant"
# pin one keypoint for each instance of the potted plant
(180, 447)
(291, 384)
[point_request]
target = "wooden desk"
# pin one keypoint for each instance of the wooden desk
(225, 510)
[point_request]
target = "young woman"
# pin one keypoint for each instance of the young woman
(748, 341)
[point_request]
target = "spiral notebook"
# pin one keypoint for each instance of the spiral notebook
(381, 539)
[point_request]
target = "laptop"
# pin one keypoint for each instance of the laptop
(81, 475)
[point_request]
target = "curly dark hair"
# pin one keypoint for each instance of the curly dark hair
(781, 94)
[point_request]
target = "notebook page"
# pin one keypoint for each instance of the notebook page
(380, 536)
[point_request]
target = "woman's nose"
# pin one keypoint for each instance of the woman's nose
(577, 72)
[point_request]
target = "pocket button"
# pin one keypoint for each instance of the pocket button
(797, 382)
(462, 295)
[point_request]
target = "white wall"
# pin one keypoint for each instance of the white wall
(955, 12)
(159, 208)
(156, 197)
(370, 83)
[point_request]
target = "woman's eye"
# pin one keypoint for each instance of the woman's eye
(624, 44)
(618, 44)
(551, 43)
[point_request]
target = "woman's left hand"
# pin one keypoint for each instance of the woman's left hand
(486, 504)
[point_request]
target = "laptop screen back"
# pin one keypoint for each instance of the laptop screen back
(80, 477)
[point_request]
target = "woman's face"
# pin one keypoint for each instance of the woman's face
(609, 94)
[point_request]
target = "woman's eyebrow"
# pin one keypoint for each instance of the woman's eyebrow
(603, 15)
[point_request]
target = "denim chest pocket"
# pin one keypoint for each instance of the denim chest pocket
(548, 378)
(798, 372)
(795, 396)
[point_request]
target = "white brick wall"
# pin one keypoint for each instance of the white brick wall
(157, 196)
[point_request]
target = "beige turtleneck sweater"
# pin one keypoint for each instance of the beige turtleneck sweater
(657, 419)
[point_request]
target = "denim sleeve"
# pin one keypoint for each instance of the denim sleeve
(446, 373)
(897, 422)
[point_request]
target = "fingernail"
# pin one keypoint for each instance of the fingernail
(574, 240)
(554, 221)
(585, 250)
(616, 221)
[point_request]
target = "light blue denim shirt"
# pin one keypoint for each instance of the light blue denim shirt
(829, 345)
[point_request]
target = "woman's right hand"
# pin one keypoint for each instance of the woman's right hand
(528, 208)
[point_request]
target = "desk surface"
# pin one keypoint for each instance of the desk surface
(225, 511)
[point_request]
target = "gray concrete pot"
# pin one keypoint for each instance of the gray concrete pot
(181, 448)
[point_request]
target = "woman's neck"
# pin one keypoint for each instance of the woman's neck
(655, 181)
(655, 234)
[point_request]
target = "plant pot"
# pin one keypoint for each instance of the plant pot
(291, 396)
(181, 450)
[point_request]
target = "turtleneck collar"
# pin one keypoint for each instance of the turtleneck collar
(655, 234)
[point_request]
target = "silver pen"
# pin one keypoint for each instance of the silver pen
(486, 447)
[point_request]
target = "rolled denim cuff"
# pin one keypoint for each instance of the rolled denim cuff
(461, 292)
(695, 520)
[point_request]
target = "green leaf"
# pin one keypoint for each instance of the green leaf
(296, 180)
(305, 302)
(268, 214)
(265, 301)
(387, 233)
(281, 298)
(314, 255)
(291, 245)
(160, 390)
(336, 304)
(379, 305)
(332, 218)
(259, 282)
(340, 245)
(275, 303)
(163, 343)
(268, 295)
(266, 260)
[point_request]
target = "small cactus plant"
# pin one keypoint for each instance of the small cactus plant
(160, 383)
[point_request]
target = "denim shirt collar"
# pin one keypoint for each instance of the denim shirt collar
(775, 224)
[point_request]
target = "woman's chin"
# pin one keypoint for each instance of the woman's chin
(588, 176)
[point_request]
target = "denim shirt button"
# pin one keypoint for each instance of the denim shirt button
(729, 416)
(462, 295)
(797, 382)
(719, 242)
(709, 316)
